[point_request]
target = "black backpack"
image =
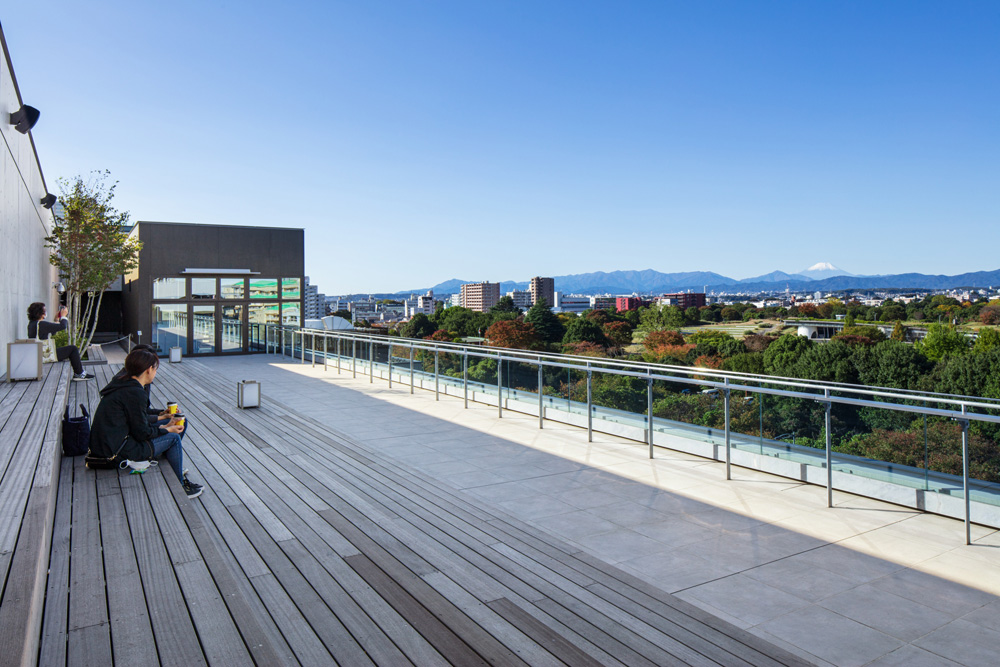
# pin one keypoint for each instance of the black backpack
(76, 433)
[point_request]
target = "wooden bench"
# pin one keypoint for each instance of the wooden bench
(30, 449)
(95, 356)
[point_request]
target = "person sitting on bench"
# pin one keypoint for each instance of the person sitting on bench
(40, 329)
(157, 417)
(121, 422)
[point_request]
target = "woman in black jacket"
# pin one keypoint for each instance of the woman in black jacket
(121, 422)
(40, 329)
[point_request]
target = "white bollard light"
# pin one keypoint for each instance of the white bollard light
(24, 360)
(248, 394)
(175, 355)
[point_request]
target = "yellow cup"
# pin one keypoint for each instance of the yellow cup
(180, 420)
(172, 408)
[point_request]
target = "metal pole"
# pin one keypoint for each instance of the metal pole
(389, 349)
(313, 336)
(436, 398)
(729, 474)
(465, 376)
(411, 368)
(965, 477)
(499, 387)
(325, 347)
(371, 361)
(302, 338)
(541, 408)
(282, 343)
(829, 451)
(354, 358)
(649, 414)
(267, 350)
(590, 406)
(338, 355)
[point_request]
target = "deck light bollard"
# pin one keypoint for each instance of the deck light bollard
(248, 394)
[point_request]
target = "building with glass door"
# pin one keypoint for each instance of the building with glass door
(207, 288)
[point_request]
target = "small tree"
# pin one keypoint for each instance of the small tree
(91, 248)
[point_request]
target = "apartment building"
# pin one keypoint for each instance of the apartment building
(480, 296)
(543, 288)
(521, 298)
(682, 299)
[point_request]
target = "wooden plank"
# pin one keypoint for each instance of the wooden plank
(55, 618)
(324, 623)
(546, 637)
(132, 638)
(173, 629)
(87, 598)
(435, 630)
(302, 638)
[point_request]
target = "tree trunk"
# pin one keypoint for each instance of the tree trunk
(93, 328)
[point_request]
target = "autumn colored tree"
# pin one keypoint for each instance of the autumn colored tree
(655, 340)
(442, 336)
(619, 334)
(515, 334)
(585, 348)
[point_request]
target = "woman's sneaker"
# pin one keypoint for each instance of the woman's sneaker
(191, 489)
(82, 376)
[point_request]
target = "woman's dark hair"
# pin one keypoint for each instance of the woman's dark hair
(139, 360)
(36, 311)
(123, 373)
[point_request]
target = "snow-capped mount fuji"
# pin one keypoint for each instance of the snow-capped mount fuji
(822, 270)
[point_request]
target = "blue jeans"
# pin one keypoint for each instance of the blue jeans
(164, 422)
(170, 445)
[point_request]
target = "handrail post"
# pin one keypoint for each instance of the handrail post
(965, 478)
(499, 386)
(313, 337)
(590, 407)
(326, 346)
(354, 357)
(267, 350)
(338, 355)
(389, 357)
(282, 342)
(829, 450)
(541, 408)
(436, 395)
(465, 376)
(371, 361)
(729, 474)
(649, 412)
(411, 368)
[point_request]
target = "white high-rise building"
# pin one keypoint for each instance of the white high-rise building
(313, 303)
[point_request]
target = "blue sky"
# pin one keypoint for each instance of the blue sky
(486, 140)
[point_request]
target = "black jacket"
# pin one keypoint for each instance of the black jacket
(44, 329)
(121, 413)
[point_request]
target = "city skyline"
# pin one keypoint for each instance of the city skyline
(553, 138)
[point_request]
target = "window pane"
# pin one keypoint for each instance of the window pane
(203, 288)
(232, 288)
(264, 288)
(291, 314)
(203, 341)
(263, 313)
(169, 288)
(169, 327)
(290, 288)
(232, 328)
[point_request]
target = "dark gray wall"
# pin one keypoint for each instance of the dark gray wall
(170, 247)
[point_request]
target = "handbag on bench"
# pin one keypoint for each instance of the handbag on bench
(76, 432)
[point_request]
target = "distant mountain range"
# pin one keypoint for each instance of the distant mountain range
(821, 277)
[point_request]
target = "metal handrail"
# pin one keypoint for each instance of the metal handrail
(722, 382)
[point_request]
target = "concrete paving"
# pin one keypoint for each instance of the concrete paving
(862, 583)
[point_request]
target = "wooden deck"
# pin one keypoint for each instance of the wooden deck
(307, 548)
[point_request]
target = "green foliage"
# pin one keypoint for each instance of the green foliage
(91, 248)
(832, 362)
(943, 340)
(782, 354)
(619, 392)
(867, 335)
(584, 330)
(891, 364)
(899, 332)
(419, 326)
(505, 305)
(988, 339)
(61, 338)
(547, 326)
(746, 362)
(715, 344)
